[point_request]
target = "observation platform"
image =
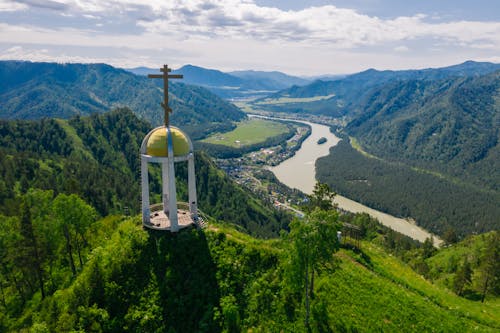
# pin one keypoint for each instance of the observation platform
(160, 221)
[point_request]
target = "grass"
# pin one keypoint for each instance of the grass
(373, 291)
(73, 136)
(377, 292)
(356, 145)
(285, 100)
(475, 312)
(248, 132)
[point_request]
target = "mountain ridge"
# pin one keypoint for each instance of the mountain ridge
(350, 90)
(235, 84)
(36, 90)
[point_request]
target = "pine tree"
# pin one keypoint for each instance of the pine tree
(463, 278)
(490, 266)
(31, 251)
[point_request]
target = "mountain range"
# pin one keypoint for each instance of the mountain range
(237, 84)
(37, 90)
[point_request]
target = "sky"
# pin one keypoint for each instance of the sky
(303, 38)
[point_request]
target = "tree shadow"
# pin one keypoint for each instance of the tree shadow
(471, 295)
(186, 277)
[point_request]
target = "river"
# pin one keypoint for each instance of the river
(299, 172)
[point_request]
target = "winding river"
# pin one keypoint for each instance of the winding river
(299, 172)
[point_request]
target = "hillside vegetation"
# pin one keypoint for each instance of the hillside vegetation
(96, 158)
(447, 126)
(37, 90)
(219, 279)
(67, 265)
(448, 131)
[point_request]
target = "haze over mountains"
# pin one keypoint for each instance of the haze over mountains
(237, 84)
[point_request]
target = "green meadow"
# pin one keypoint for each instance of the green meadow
(248, 132)
(286, 100)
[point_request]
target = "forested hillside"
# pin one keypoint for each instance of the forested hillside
(97, 158)
(435, 202)
(430, 150)
(450, 126)
(427, 141)
(37, 90)
(66, 264)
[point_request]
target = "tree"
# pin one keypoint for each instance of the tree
(428, 248)
(313, 241)
(490, 266)
(322, 197)
(74, 216)
(30, 249)
(463, 277)
(450, 236)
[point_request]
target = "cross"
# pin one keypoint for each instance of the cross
(165, 76)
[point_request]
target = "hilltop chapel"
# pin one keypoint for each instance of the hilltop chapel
(168, 145)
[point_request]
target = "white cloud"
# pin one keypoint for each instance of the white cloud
(9, 6)
(127, 59)
(401, 48)
(244, 19)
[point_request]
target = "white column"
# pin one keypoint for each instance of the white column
(164, 178)
(174, 223)
(193, 203)
(145, 190)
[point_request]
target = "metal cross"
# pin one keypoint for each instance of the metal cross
(165, 76)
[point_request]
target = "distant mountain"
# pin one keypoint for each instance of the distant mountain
(208, 77)
(144, 71)
(271, 80)
(344, 95)
(237, 84)
(36, 90)
(326, 77)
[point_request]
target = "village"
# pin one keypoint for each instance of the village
(252, 171)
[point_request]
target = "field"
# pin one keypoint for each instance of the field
(248, 132)
(286, 100)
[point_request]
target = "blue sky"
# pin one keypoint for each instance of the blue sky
(297, 37)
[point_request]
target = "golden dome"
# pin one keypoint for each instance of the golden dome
(156, 144)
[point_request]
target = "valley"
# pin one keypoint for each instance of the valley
(74, 257)
(299, 172)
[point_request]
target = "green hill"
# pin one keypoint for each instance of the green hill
(37, 90)
(64, 268)
(479, 253)
(222, 280)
